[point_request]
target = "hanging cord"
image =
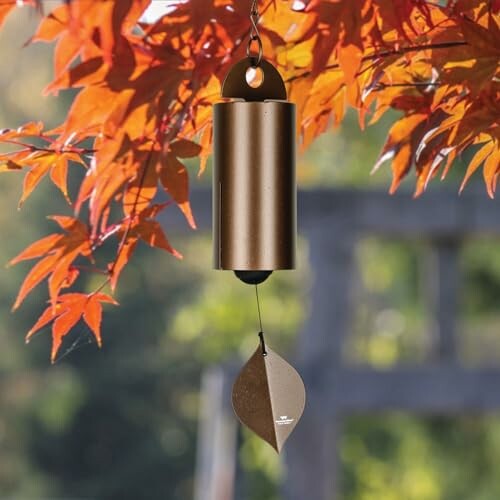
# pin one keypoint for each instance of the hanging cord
(261, 332)
(256, 58)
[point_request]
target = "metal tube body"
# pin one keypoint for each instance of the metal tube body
(254, 186)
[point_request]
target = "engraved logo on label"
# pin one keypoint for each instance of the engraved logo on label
(284, 420)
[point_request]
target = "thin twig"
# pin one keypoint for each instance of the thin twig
(89, 269)
(34, 148)
(382, 86)
(387, 53)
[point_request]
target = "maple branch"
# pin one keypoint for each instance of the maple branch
(382, 86)
(387, 53)
(131, 218)
(34, 148)
(415, 48)
(133, 212)
(75, 150)
(20, 143)
(89, 269)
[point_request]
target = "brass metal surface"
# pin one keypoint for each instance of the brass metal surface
(269, 397)
(254, 186)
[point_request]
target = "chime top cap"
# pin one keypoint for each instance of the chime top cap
(272, 87)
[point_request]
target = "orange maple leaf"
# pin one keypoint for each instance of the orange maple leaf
(68, 311)
(58, 252)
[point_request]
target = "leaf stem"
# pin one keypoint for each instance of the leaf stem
(34, 148)
(382, 86)
(90, 269)
(132, 215)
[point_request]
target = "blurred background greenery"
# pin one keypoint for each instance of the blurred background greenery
(121, 423)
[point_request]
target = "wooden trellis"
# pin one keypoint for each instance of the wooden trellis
(333, 221)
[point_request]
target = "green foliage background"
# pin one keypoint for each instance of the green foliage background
(121, 423)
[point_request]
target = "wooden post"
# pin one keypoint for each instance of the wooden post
(216, 460)
(312, 453)
(441, 285)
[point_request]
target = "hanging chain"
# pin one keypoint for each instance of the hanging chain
(256, 58)
(261, 332)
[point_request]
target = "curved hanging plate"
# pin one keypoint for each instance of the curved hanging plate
(269, 397)
(235, 84)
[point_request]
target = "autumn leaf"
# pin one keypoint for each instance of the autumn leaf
(4, 11)
(185, 149)
(152, 233)
(68, 311)
(350, 57)
(142, 190)
(479, 157)
(31, 129)
(52, 25)
(142, 226)
(119, 164)
(57, 252)
(38, 249)
(401, 147)
(175, 180)
(37, 274)
(125, 254)
(491, 169)
(40, 163)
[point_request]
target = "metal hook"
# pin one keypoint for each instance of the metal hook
(262, 344)
(256, 58)
(261, 333)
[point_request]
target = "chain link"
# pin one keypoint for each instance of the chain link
(256, 57)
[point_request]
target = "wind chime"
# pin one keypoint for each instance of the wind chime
(254, 220)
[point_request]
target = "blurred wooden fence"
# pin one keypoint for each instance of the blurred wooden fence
(333, 221)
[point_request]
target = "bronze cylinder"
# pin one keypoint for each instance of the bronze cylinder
(254, 186)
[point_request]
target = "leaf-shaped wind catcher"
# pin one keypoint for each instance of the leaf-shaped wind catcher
(269, 396)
